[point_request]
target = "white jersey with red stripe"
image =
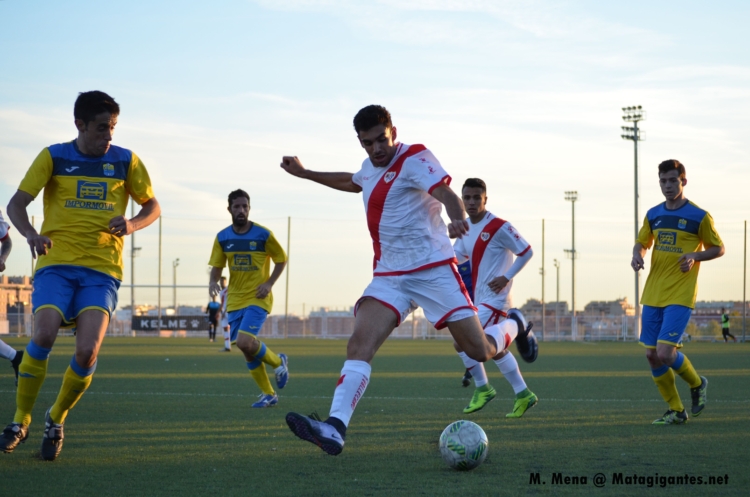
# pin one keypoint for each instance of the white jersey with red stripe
(490, 245)
(403, 217)
(4, 227)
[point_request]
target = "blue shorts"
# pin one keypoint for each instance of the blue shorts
(664, 325)
(70, 290)
(248, 320)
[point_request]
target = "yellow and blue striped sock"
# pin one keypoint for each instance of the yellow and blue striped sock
(664, 379)
(259, 374)
(31, 374)
(683, 367)
(268, 356)
(75, 382)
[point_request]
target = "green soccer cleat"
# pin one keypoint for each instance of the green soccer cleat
(698, 395)
(522, 405)
(481, 398)
(672, 418)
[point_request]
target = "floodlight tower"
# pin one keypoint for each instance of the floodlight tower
(572, 196)
(556, 263)
(634, 114)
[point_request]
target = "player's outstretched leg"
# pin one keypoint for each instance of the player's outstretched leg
(484, 392)
(525, 398)
(525, 341)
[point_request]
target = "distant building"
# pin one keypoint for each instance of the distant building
(619, 307)
(534, 307)
(713, 308)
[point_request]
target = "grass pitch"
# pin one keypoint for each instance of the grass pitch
(173, 417)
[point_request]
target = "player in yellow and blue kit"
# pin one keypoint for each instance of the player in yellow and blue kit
(677, 229)
(87, 184)
(248, 249)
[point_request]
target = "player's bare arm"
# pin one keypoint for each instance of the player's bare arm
(5, 248)
(458, 226)
(687, 261)
(214, 288)
(265, 288)
(497, 284)
(19, 216)
(337, 181)
(122, 226)
(637, 262)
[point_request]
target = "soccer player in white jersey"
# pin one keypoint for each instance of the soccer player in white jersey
(224, 317)
(490, 246)
(6, 351)
(404, 188)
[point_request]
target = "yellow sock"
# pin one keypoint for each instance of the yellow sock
(259, 374)
(31, 374)
(73, 387)
(268, 356)
(668, 390)
(687, 372)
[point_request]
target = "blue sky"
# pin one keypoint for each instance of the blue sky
(526, 95)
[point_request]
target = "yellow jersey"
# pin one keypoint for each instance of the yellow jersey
(674, 233)
(82, 193)
(249, 257)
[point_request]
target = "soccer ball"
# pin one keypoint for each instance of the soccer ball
(463, 445)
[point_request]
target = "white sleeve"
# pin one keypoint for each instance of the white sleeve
(4, 227)
(509, 237)
(460, 250)
(425, 172)
(357, 177)
(519, 264)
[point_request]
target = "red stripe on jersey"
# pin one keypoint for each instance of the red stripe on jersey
(376, 202)
(420, 268)
(480, 246)
(524, 251)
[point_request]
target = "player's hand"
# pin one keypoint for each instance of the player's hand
(458, 228)
(686, 262)
(263, 290)
(38, 244)
(121, 226)
(497, 284)
(637, 263)
(214, 289)
(293, 166)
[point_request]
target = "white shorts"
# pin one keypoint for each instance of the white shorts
(439, 291)
(489, 314)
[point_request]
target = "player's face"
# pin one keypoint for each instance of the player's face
(95, 136)
(380, 144)
(671, 184)
(240, 210)
(475, 201)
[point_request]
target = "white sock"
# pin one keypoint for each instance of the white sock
(475, 368)
(227, 343)
(509, 367)
(355, 375)
(503, 333)
(7, 351)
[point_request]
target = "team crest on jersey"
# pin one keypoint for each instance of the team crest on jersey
(484, 236)
(681, 224)
(253, 245)
(389, 176)
(109, 170)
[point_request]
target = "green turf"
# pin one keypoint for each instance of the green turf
(184, 426)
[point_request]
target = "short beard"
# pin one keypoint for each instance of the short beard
(238, 223)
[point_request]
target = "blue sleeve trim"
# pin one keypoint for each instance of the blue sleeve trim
(37, 352)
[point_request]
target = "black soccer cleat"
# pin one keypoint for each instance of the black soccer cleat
(699, 397)
(13, 434)
(466, 380)
(16, 362)
(313, 430)
(525, 340)
(52, 441)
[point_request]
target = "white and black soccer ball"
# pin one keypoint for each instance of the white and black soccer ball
(463, 445)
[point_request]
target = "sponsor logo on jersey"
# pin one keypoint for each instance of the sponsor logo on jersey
(230, 246)
(71, 169)
(90, 195)
(431, 169)
(389, 176)
(657, 223)
(109, 170)
(243, 262)
(682, 223)
(667, 238)
(484, 236)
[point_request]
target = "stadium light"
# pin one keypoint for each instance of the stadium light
(175, 263)
(634, 114)
(556, 263)
(572, 197)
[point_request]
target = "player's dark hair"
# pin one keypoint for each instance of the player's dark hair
(475, 183)
(238, 194)
(672, 165)
(371, 116)
(89, 104)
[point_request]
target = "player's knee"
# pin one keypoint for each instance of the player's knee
(666, 356)
(479, 353)
(653, 358)
(86, 355)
